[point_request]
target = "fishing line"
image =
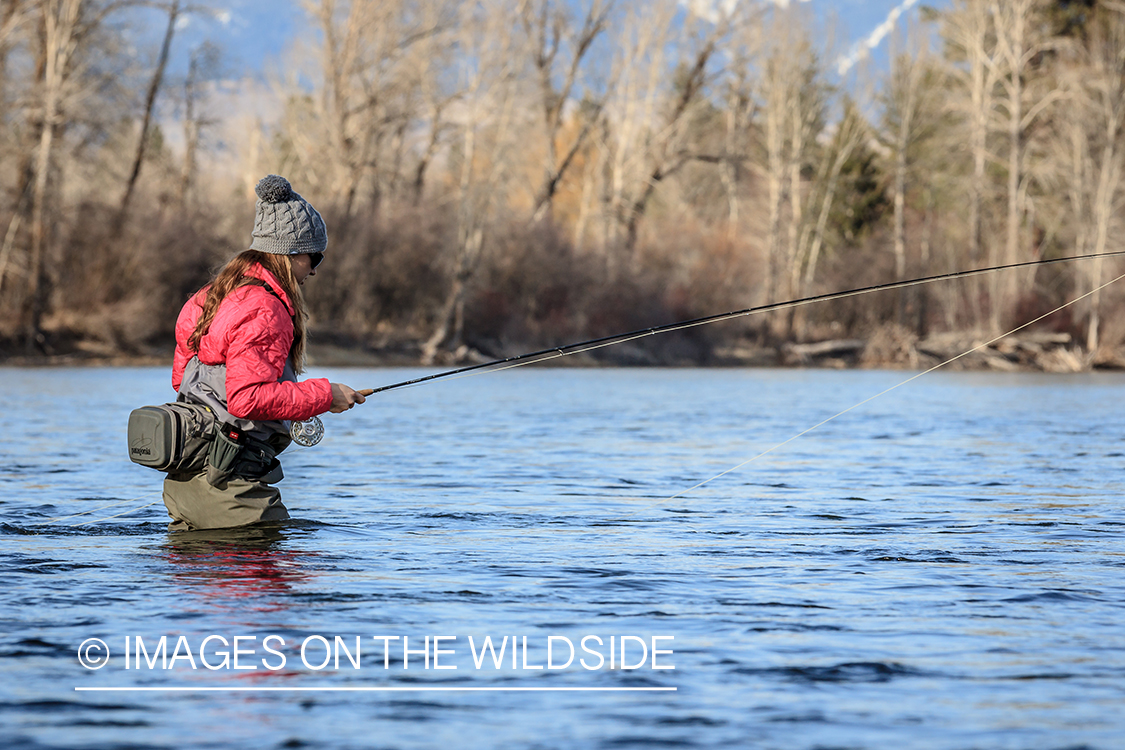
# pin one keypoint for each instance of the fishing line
(545, 355)
(93, 510)
(898, 385)
(122, 513)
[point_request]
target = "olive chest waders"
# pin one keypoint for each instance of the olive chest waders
(220, 468)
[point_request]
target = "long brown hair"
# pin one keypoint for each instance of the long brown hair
(233, 275)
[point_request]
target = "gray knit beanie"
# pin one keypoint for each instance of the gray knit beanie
(284, 222)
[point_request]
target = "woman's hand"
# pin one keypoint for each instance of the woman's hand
(344, 398)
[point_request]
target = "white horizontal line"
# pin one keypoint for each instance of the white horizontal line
(204, 688)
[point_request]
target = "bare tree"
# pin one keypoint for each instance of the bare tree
(851, 131)
(793, 107)
(434, 60)
(970, 38)
(201, 65)
(60, 32)
(1019, 41)
(370, 56)
(1090, 147)
(558, 51)
(14, 16)
(649, 122)
(489, 87)
(821, 197)
(741, 108)
(639, 61)
(70, 56)
(173, 10)
(912, 101)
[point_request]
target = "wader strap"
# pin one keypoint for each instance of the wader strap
(254, 281)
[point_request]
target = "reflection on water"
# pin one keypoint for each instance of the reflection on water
(940, 568)
(221, 564)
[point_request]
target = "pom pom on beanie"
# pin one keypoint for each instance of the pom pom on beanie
(274, 189)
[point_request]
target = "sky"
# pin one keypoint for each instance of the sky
(252, 31)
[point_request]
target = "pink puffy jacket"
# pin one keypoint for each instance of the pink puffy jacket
(251, 334)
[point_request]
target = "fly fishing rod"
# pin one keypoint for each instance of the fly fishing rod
(620, 338)
(309, 432)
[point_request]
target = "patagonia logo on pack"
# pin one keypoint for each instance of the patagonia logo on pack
(142, 447)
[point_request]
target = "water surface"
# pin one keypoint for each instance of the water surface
(939, 568)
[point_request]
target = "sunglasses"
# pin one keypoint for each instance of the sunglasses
(316, 259)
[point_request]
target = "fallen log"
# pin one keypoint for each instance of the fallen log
(804, 353)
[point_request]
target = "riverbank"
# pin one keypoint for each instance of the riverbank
(887, 348)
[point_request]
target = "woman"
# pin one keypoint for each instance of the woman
(240, 343)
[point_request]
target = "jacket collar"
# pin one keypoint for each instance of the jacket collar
(260, 272)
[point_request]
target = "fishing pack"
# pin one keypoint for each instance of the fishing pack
(174, 438)
(185, 438)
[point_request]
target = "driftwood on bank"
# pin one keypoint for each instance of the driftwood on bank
(1045, 351)
(834, 350)
(894, 347)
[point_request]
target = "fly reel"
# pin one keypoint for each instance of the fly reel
(308, 432)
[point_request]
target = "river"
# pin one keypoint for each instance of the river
(941, 567)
